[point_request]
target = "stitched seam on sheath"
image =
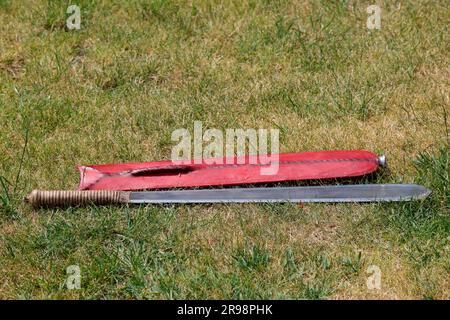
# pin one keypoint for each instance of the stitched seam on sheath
(318, 161)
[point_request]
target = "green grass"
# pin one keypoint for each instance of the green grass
(116, 89)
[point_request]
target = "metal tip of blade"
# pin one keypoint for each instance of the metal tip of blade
(422, 192)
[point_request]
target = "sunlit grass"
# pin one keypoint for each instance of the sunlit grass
(116, 89)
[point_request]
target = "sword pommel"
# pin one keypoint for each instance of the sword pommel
(382, 160)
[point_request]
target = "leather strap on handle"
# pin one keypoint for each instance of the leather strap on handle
(64, 198)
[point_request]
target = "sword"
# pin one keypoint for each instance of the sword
(336, 194)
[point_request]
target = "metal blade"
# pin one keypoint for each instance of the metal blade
(342, 193)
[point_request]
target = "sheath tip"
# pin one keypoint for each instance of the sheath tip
(382, 160)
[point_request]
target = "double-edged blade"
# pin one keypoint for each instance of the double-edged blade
(340, 193)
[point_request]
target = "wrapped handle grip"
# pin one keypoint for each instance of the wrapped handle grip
(65, 198)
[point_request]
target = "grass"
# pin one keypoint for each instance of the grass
(115, 90)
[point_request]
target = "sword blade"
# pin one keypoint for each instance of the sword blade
(342, 193)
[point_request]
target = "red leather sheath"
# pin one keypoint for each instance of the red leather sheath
(228, 171)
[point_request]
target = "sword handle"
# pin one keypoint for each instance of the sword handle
(65, 198)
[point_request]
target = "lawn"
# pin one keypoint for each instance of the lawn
(115, 90)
